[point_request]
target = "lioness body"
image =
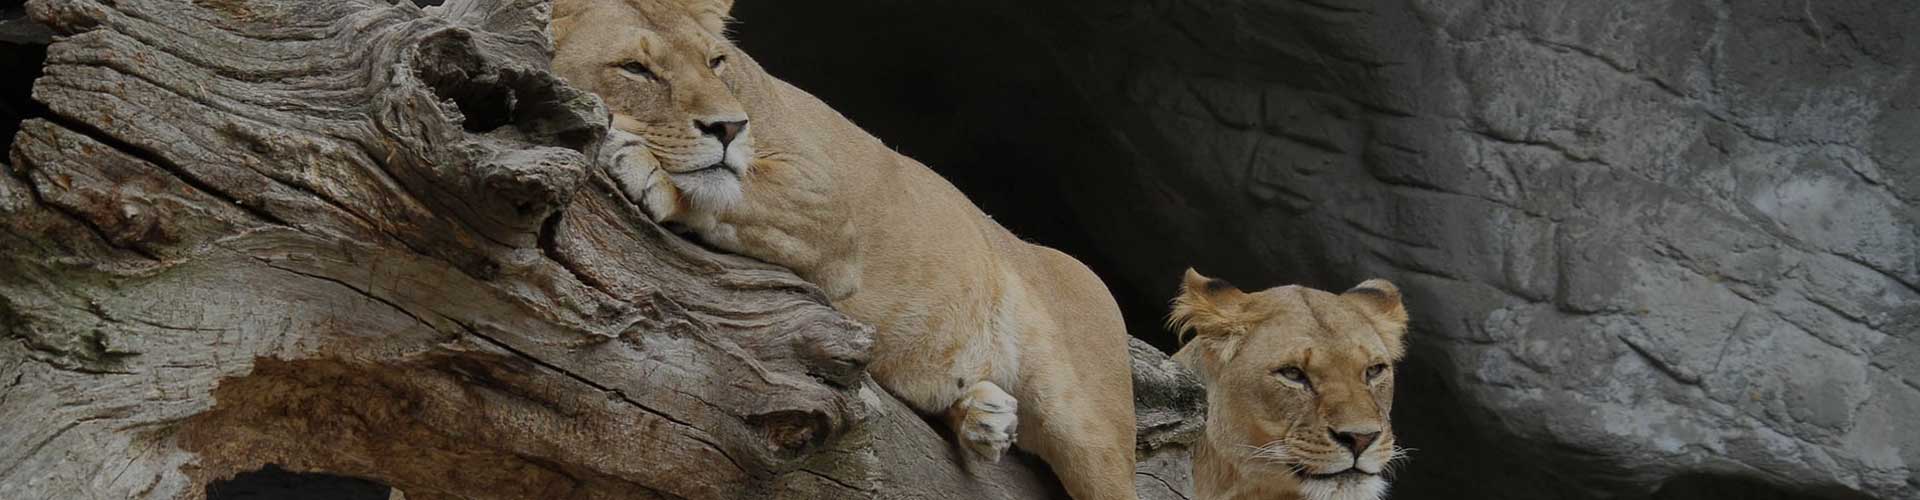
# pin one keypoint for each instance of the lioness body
(971, 322)
(1299, 388)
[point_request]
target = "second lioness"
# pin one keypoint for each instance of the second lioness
(1012, 342)
(1299, 388)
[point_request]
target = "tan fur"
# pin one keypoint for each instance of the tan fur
(1268, 435)
(972, 323)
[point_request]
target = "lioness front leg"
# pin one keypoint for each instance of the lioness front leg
(985, 420)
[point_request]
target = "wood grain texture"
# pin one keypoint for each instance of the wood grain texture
(364, 239)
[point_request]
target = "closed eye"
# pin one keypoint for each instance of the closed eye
(635, 68)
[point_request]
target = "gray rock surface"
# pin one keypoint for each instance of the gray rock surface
(1653, 249)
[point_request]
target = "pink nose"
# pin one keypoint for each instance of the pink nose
(726, 131)
(1357, 442)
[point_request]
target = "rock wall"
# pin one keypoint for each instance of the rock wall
(1653, 249)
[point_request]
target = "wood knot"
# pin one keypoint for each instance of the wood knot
(836, 352)
(513, 138)
(524, 186)
(493, 97)
(794, 430)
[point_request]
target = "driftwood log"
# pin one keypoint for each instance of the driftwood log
(362, 238)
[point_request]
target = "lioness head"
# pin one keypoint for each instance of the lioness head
(661, 67)
(1299, 381)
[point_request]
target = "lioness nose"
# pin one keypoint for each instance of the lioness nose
(1355, 441)
(726, 131)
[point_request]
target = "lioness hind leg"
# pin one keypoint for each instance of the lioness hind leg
(985, 420)
(1088, 441)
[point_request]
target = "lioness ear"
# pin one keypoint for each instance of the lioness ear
(1379, 300)
(562, 16)
(1206, 307)
(1213, 312)
(712, 14)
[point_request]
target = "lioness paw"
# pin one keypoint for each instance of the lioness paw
(986, 421)
(643, 181)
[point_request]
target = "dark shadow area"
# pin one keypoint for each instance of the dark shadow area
(491, 98)
(23, 52)
(274, 483)
(462, 76)
(961, 89)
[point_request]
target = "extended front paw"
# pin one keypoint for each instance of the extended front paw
(641, 178)
(986, 421)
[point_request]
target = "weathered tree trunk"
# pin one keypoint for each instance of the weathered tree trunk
(363, 239)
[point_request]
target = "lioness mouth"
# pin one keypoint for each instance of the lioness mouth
(710, 168)
(1350, 473)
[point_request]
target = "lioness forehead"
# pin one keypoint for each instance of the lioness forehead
(1299, 318)
(661, 21)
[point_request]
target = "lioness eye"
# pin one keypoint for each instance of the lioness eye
(636, 69)
(717, 61)
(1293, 374)
(1374, 371)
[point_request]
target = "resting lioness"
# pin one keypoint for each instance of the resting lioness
(1299, 384)
(1012, 343)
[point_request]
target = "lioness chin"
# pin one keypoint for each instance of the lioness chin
(1299, 387)
(1013, 343)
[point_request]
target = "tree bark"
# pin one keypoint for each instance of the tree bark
(365, 239)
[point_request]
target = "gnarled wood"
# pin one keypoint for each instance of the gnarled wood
(365, 239)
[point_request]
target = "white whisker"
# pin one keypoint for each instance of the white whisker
(1396, 460)
(1276, 452)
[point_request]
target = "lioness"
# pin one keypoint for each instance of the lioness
(1299, 384)
(1011, 342)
